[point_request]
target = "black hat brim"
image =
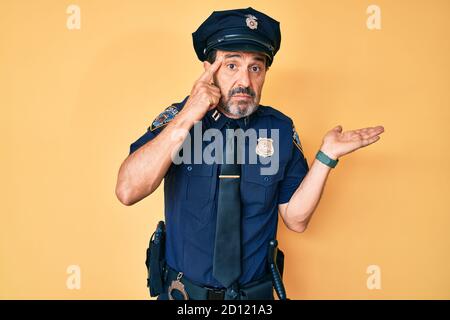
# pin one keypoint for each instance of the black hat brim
(246, 47)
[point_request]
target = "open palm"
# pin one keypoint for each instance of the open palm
(337, 143)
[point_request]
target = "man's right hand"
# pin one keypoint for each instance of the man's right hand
(204, 94)
(142, 172)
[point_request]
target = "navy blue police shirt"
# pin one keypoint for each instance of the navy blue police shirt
(191, 190)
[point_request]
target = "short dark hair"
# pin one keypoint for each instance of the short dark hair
(211, 57)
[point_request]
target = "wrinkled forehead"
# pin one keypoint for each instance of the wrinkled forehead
(252, 56)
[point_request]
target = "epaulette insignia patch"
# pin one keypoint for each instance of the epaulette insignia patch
(296, 139)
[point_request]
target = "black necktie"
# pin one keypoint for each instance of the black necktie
(227, 248)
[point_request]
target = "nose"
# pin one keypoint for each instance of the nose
(244, 78)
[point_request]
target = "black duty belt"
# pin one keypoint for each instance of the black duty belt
(261, 289)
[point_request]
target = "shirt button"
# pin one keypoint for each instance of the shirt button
(189, 168)
(266, 178)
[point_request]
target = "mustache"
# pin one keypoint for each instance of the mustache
(241, 90)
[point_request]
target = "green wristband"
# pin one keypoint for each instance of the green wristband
(326, 160)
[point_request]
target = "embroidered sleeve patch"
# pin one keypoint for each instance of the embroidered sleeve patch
(296, 139)
(164, 118)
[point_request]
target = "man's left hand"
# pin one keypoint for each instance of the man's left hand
(337, 143)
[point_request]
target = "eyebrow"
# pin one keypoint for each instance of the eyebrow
(236, 55)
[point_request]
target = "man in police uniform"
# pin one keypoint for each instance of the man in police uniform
(220, 217)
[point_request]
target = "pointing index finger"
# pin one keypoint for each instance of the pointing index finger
(208, 74)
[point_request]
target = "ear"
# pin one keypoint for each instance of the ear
(206, 65)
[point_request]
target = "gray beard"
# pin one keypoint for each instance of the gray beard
(240, 109)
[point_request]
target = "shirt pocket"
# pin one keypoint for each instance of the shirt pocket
(258, 189)
(199, 183)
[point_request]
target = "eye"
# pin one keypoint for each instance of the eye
(231, 66)
(255, 68)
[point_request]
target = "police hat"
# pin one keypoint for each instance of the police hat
(238, 30)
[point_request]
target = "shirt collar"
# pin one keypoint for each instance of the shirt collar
(216, 119)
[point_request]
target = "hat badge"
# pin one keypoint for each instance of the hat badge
(264, 148)
(251, 21)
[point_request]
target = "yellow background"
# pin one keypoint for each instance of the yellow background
(72, 101)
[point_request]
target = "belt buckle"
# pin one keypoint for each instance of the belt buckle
(215, 294)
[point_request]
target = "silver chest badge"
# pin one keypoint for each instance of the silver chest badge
(264, 148)
(251, 21)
